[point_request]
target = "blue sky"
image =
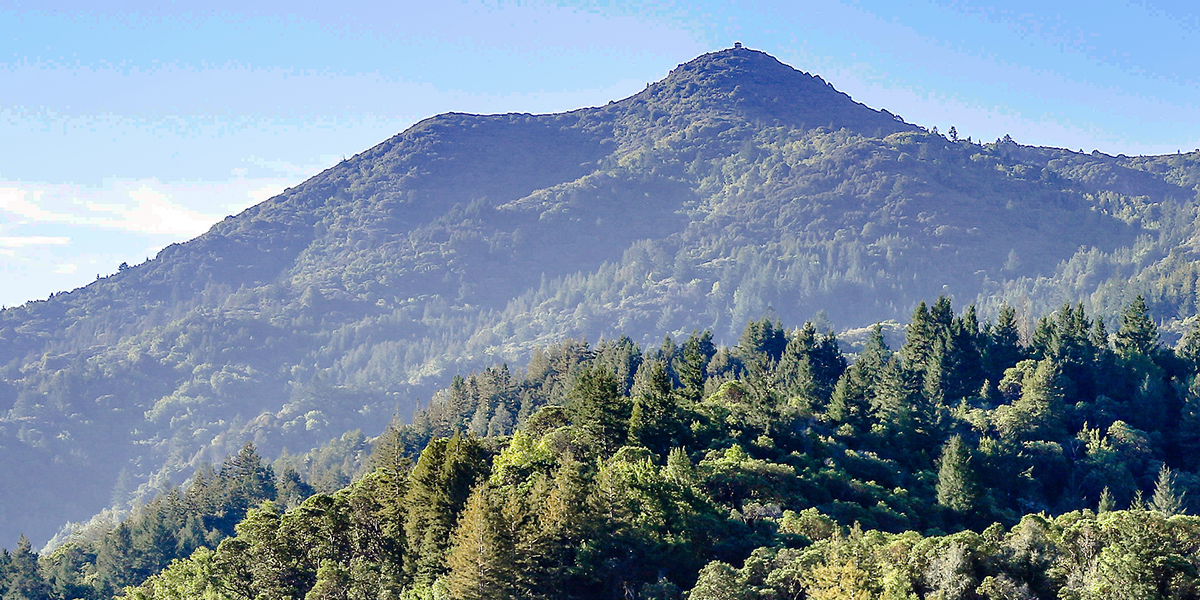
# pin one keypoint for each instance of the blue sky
(134, 125)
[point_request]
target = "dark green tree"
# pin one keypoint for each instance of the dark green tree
(653, 421)
(24, 576)
(956, 486)
(698, 351)
(598, 410)
(1003, 344)
(440, 484)
(1138, 333)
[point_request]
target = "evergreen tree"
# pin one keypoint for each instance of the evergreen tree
(1003, 344)
(244, 481)
(1165, 499)
(1041, 342)
(698, 351)
(902, 414)
(761, 346)
(1039, 412)
(1106, 502)
(653, 422)
(482, 558)
(598, 410)
(851, 400)
(440, 484)
(956, 486)
(795, 372)
(919, 339)
(717, 581)
(1138, 333)
(24, 576)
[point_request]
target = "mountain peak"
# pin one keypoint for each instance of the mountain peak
(758, 86)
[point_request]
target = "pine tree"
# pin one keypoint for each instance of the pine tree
(245, 480)
(561, 531)
(1041, 343)
(1038, 413)
(919, 339)
(1165, 499)
(698, 351)
(440, 484)
(851, 400)
(482, 558)
(25, 581)
(761, 346)
(1138, 333)
(956, 487)
(1003, 343)
(599, 411)
(1106, 503)
(653, 420)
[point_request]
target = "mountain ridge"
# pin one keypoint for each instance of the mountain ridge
(470, 239)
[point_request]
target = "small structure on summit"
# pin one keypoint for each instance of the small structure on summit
(737, 45)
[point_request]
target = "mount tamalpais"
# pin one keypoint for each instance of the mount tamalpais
(736, 187)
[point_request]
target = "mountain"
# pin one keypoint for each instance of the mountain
(735, 188)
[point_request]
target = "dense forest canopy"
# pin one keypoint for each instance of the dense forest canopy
(968, 463)
(735, 188)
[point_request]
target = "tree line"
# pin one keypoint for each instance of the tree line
(971, 462)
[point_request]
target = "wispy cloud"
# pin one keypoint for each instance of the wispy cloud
(60, 236)
(149, 207)
(17, 201)
(139, 208)
(32, 240)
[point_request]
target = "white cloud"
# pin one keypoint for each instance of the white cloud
(175, 210)
(151, 211)
(13, 200)
(32, 240)
(60, 236)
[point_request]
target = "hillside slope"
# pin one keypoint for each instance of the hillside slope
(736, 187)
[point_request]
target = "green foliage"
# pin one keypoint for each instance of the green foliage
(634, 489)
(956, 478)
(737, 189)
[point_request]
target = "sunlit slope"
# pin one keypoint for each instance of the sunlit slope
(734, 188)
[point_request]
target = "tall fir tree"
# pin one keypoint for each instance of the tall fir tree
(599, 410)
(653, 421)
(1138, 333)
(482, 559)
(698, 351)
(956, 486)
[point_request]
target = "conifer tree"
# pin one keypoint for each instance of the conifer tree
(653, 419)
(1106, 503)
(698, 351)
(919, 339)
(1039, 411)
(599, 410)
(761, 346)
(24, 576)
(482, 557)
(438, 488)
(1165, 499)
(1138, 333)
(1041, 343)
(956, 486)
(1004, 343)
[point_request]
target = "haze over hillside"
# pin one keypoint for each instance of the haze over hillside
(737, 187)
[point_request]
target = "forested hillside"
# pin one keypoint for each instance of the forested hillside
(965, 464)
(735, 188)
